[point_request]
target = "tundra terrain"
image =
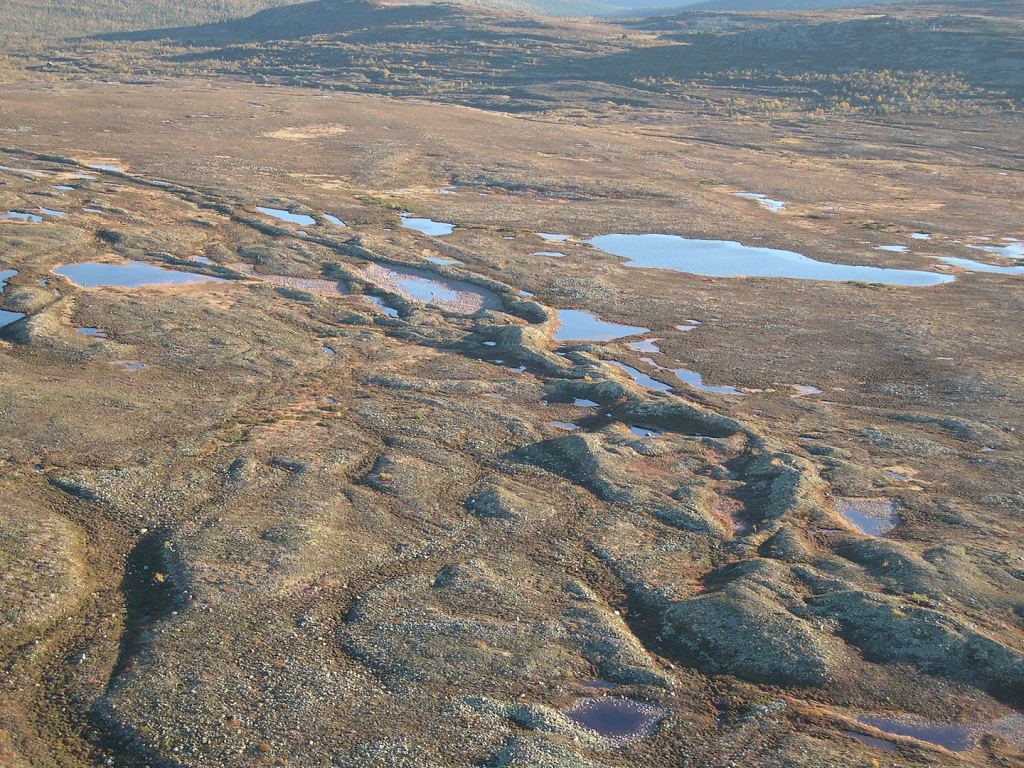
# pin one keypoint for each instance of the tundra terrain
(433, 386)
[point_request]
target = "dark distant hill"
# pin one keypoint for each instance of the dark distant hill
(45, 21)
(918, 57)
(309, 19)
(48, 20)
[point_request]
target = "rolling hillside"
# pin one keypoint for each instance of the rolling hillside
(45, 20)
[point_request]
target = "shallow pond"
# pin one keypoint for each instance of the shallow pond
(334, 220)
(551, 254)
(578, 325)
(640, 377)
(806, 390)
(6, 318)
(980, 266)
(1014, 250)
(21, 216)
(695, 380)
(95, 333)
(129, 274)
(378, 302)
(640, 431)
(566, 425)
(724, 258)
(892, 248)
(427, 226)
(430, 288)
(582, 402)
(955, 737)
(287, 216)
(875, 517)
(616, 719)
(442, 261)
(644, 345)
(920, 236)
(772, 205)
(425, 289)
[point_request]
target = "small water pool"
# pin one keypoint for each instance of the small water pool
(427, 226)
(641, 431)
(1013, 250)
(578, 325)
(426, 290)
(128, 274)
(725, 258)
(805, 390)
(763, 200)
(616, 719)
(378, 302)
(874, 517)
(644, 345)
(955, 737)
(568, 426)
(287, 216)
(431, 288)
(442, 261)
(6, 318)
(980, 266)
(640, 377)
(695, 380)
(21, 216)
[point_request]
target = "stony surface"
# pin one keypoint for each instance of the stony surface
(250, 552)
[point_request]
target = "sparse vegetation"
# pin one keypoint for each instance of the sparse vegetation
(355, 502)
